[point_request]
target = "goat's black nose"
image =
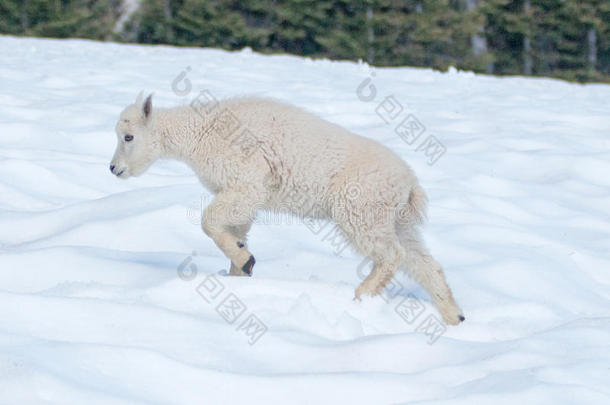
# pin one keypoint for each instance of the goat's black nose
(112, 168)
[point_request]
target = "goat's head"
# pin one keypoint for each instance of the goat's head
(138, 145)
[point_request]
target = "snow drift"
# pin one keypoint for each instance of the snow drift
(110, 293)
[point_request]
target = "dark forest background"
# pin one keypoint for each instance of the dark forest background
(568, 39)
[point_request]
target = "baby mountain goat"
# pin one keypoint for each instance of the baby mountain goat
(258, 154)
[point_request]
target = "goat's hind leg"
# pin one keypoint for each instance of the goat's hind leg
(372, 236)
(429, 273)
(387, 258)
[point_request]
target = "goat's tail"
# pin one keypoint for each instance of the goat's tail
(417, 204)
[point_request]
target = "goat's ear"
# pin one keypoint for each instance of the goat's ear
(147, 106)
(140, 98)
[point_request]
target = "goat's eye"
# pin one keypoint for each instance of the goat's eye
(128, 138)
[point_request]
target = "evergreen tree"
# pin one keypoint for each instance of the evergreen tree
(153, 23)
(426, 33)
(59, 18)
(563, 38)
(345, 32)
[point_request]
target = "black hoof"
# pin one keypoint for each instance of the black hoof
(462, 319)
(248, 266)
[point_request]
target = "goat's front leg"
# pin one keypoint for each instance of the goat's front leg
(229, 210)
(241, 233)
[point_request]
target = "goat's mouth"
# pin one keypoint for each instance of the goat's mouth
(114, 170)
